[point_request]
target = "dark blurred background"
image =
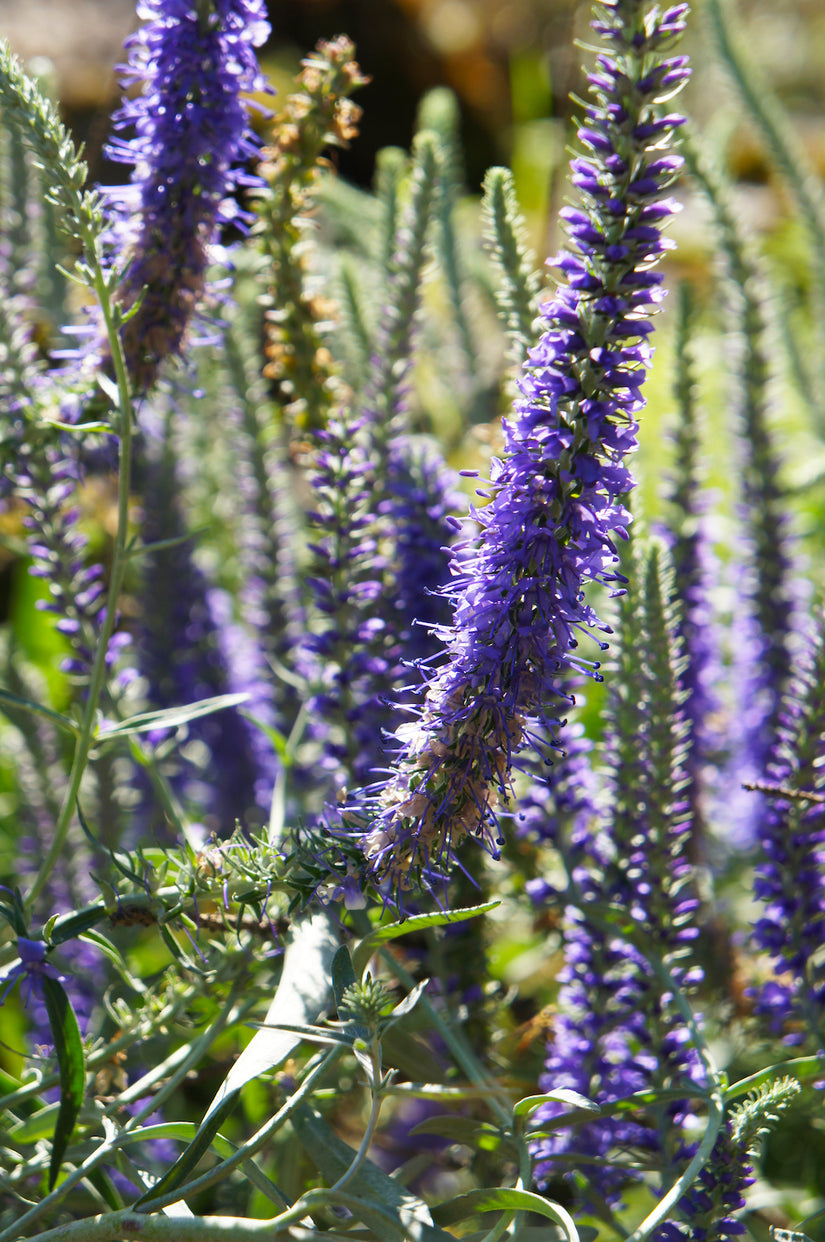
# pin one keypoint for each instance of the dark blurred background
(511, 63)
(502, 57)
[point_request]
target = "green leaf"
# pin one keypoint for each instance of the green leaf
(408, 1004)
(105, 1189)
(61, 928)
(302, 993)
(117, 959)
(69, 1048)
(37, 709)
(561, 1095)
(169, 717)
(391, 931)
(343, 975)
(392, 1212)
(35, 1128)
(192, 1155)
(280, 743)
(504, 1199)
(466, 1130)
(314, 1034)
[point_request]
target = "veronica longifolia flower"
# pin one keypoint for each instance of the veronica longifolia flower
(553, 514)
(192, 59)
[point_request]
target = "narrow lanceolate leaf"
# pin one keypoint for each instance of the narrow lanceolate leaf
(343, 974)
(301, 996)
(69, 1048)
(302, 993)
(561, 1095)
(392, 931)
(170, 717)
(505, 1199)
(19, 702)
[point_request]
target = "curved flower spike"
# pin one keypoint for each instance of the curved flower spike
(193, 60)
(554, 511)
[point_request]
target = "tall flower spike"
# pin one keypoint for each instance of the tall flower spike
(694, 571)
(553, 514)
(711, 1208)
(766, 643)
(616, 1032)
(790, 876)
(317, 116)
(192, 59)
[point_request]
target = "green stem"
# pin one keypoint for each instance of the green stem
(230, 1014)
(716, 1109)
(258, 1140)
(118, 568)
(499, 1100)
(115, 1226)
(372, 1121)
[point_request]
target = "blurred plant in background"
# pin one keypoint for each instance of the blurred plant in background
(372, 868)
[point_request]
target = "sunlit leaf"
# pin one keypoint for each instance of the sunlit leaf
(561, 1095)
(504, 1199)
(302, 994)
(391, 931)
(37, 709)
(169, 717)
(69, 1048)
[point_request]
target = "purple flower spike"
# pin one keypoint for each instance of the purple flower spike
(554, 513)
(189, 134)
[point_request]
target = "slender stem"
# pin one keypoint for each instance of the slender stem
(115, 1226)
(119, 559)
(258, 1140)
(375, 1108)
(230, 1014)
(716, 1109)
(499, 1100)
(715, 1117)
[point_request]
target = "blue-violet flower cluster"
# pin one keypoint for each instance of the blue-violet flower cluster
(553, 514)
(190, 132)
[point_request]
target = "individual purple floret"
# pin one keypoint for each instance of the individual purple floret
(189, 133)
(554, 511)
(30, 968)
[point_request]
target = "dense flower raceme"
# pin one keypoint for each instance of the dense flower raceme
(711, 1208)
(47, 474)
(189, 134)
(379, 526)
(553, 514)
(615, 1033)
(694, 573)
(790, 878)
